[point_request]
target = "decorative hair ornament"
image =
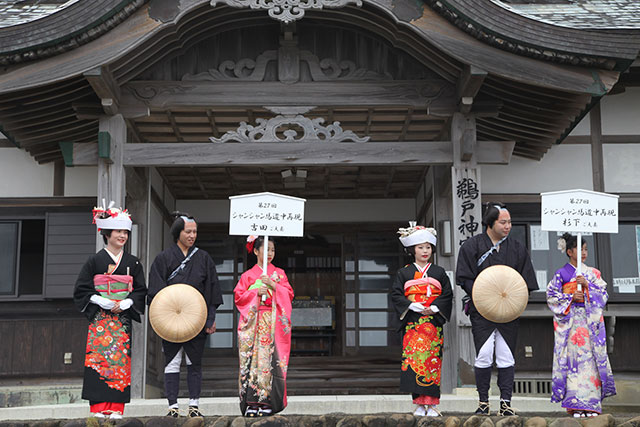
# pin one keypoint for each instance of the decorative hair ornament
(562, 245)
(250, 242)
(111, 218)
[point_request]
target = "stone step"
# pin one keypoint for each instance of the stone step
(298, 405)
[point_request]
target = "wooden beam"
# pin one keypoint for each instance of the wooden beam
(292, 154)
(438, 95)
(468, 86)
(105, 86)
(463, 138)
(93, 111)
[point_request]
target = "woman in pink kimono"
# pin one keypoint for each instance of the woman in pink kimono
(264, 334)
(582, 374)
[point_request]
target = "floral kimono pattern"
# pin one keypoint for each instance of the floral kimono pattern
(264, 339)
(422, 335)
(582, 374)
(108, 340)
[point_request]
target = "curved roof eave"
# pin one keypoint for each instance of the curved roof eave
(64, 30)
(507, 30)
(140, 28)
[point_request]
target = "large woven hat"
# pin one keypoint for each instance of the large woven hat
(178, 313)
(500, 294)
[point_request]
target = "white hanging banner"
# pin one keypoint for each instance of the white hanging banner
(579, 211)
(266, 214)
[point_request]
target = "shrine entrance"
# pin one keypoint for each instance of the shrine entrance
(333, 113)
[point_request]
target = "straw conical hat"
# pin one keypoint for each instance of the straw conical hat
(500, 293)
(178, 313)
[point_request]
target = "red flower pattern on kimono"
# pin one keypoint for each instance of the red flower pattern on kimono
(578, 338)
(422, 342)
(108, 351)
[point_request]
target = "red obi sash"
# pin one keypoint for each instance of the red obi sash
(424, 290)
(572, 287)
(113, 286)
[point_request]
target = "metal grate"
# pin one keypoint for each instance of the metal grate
(532, 387)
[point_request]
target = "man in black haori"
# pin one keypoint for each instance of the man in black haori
(110, 291)
(494, 247)
(184, 263)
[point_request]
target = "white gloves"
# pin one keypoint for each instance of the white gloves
(417, 307)
(103, 302)
(126, 304)
(108, 304)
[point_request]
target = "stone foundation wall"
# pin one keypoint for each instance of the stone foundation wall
(342, 420)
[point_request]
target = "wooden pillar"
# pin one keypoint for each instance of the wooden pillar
(112, 187)
(467, 222)
(602, 240)
(58, 178)
(442, 210)
(137, 202)
(112, 136)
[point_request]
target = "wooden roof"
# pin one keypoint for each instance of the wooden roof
(337, 182)
(58, 98)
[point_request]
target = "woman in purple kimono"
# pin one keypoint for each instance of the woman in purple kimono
(582, 374)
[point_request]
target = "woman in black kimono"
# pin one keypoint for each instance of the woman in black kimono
(421, 295)
(110, 291)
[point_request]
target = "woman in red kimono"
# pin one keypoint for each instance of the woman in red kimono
(264, 334)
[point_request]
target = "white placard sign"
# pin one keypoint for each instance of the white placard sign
(580, 211)
(266, 214)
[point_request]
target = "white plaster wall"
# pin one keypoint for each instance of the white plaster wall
(583, 128)
(81, 181)
(621, 113)
(318, 211)
(552, 173)
(21, 176)
(621, 168)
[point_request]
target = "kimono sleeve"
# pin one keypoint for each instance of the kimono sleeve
(467, 269)
(139, 292)
(525, 268)
(559, 303)
(213, 293)
(244, 297)
(157, 277)
(284, 287)
(400, 302)
(85, 288)
(598, 295)
(445, 300)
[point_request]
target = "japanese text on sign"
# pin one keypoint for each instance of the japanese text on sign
(467, 206)
(266, 214)
(580, 211)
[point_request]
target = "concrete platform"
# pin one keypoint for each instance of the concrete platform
(298, 405)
